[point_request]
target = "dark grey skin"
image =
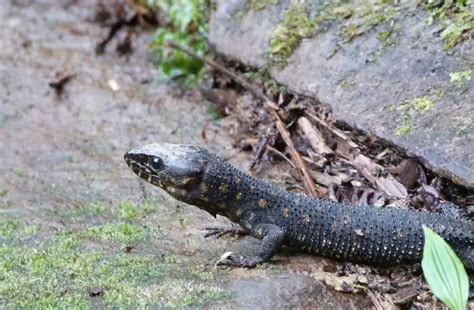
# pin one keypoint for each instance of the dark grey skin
(363, 234)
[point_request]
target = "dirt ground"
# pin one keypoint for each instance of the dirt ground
(77, 228)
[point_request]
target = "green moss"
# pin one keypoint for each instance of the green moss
(201, 272)
(127, 211)
(411, 108)
(8, 228)
(148, 207)
(45, 270)
(12, 230)
(384, 36)
(121, 233)
(422, 103)
(84, 213)
(363, 16)
(97, 209)
(288, 34)
(184, 223)
(404, 128)
(98, 212)
(5, 204)
(455, 20)
(352, 19)
(460, 76)
(179, 294)
(62, 271)
(261, 4)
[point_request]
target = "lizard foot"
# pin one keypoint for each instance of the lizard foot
(221, 231)
(244, 262)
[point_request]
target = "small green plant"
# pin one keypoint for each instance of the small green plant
(187, 26)
(444, 271)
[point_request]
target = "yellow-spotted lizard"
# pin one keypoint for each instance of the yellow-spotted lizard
(365, 234)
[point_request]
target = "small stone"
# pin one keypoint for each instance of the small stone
(96, 291)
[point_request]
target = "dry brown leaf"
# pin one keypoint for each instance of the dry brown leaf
(366, 166)
(314, 136)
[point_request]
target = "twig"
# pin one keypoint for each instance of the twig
(295, 156)
(272, 107)
(277, 152)
(269, 148)
(242, 82)
(100, 48)
(259, 148)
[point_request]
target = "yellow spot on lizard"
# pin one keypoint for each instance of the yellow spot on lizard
(306, 219)
(286, 212)
(262, 203)
(238, 196)
(223, 188)
(203, 187)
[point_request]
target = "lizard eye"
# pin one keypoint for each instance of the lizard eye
(156, 163)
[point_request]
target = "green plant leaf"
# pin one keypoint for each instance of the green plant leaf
(186, 26)
(444, 271)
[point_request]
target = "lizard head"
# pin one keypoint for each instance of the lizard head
(176, 168)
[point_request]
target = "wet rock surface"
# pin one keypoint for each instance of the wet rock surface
(402, 91)
(73, 217)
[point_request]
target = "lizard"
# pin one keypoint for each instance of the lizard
(360, 234)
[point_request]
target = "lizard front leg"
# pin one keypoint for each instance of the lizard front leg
(272, 238)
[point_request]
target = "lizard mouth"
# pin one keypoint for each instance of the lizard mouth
(138, 164)
(168, 165)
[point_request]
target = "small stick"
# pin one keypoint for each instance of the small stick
(277, 152)
(273, 107)
(242, 82)
(270, 148)
(296, 156)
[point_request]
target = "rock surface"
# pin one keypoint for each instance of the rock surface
(401, 91)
